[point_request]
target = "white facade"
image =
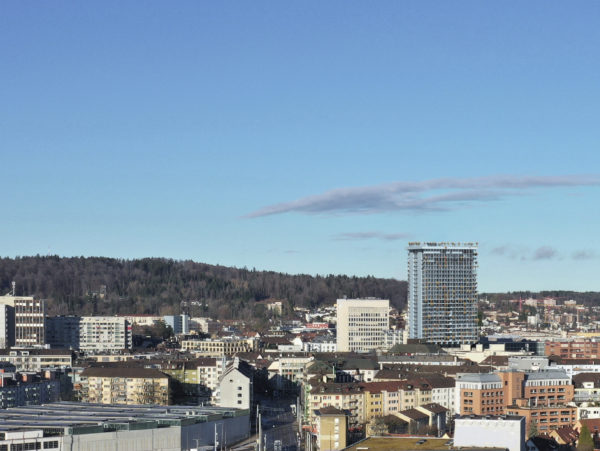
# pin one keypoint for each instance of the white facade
(505, 432)
(442, 292)
(104, 333)
(362, 324)
(29, 314)
(444, 396)
(235, 386)
(7, 326)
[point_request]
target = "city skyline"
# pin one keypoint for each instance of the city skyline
(316, 139)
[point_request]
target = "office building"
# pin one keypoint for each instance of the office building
(442, 293)
(62, 332)
(7, 326)
(29, 319)
(362, 324)
(179, 323)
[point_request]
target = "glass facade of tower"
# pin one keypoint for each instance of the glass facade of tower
(442, 292)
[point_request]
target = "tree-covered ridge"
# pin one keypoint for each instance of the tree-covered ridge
(98, 285)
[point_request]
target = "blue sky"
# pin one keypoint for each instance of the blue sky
(313, 137)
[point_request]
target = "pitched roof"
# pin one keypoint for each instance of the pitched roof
(329, 410)
(579, 379)
(414, 414)
(565, 435)
(434, 407)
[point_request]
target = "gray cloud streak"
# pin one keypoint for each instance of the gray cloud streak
(429, 195)
(371, 235)
(544, 253)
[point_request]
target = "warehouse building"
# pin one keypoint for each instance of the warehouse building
(95, 427)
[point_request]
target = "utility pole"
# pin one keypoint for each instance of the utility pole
(259, 430)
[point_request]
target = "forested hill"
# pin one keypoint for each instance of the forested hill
(96, 285)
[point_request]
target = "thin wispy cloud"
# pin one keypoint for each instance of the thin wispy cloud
(440, 194)
(584, 255)
(350, 236)
(545, 253)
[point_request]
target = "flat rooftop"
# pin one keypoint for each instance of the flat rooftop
(75, 418)
(409, 444)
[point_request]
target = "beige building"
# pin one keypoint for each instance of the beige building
(330, 428)
(219, 348)
(362, 324)
(121, 385)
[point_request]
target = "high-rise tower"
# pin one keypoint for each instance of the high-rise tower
(442, 292)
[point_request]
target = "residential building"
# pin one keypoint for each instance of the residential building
(37, 359)
(235, 387)
(322, 343)
(347, 397)
(479, 394)
(26, 389)
(361, 324)
(330, 428)
(219, 347)
(179, 323)
(104, 333)
(442, 293)
(587, 387)
(124, 385)
(566, 350)
(490, 431)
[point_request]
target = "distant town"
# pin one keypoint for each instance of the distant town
(455, 369)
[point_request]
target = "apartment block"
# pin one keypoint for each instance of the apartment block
(124, 385)
(442, 293)
(362, 324)
(479, 394)
(104, 333)
(219, 347)
(566, 350)
(330, 428)
(37, 359)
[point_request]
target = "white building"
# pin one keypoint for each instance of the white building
(442, 293)
(235, 386)
(322, 343)
(29, 319)
(7, 326)
(362, 324)
(104, 333)
(505, 432)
